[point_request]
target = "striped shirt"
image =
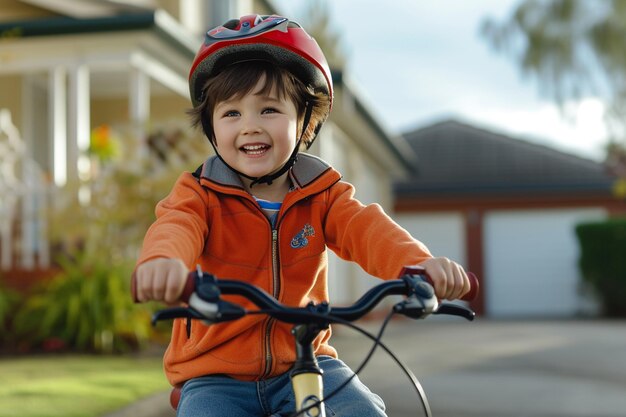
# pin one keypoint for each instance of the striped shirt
(270, 208)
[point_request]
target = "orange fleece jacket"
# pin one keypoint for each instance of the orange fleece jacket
(212, 221)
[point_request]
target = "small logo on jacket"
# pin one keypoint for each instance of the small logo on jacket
(300, 240)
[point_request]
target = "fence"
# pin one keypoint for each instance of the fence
(24, 199)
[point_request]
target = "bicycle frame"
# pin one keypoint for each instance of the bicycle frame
(306, 375)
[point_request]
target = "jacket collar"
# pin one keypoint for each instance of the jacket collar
(304, 173)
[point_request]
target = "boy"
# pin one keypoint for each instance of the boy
(260, 211)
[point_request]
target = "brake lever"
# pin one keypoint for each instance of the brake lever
(175, 313)
(416, 307)
(455, 310)
(421, 303)
(208, 302)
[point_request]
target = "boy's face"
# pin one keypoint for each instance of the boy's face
(256, 134)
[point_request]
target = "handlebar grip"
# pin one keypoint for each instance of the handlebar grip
(474, 287)
(189, 288)
(473, 280)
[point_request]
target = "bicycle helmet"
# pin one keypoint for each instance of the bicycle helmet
(266, 38)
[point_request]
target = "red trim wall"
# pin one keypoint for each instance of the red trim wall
(474, 253)
(429, 204)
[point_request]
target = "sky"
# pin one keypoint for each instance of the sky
(416, 62)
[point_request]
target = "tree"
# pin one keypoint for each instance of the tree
(318, 25)
(574, 48)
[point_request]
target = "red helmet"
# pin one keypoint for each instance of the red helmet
(269, 38)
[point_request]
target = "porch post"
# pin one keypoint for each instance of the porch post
(79, 124)
(58, 123)
(139, 106)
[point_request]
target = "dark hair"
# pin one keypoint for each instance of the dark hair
(237, 80)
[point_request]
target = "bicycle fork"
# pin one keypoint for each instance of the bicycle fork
(306, 375)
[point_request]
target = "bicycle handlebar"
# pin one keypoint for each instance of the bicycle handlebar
(203, 293)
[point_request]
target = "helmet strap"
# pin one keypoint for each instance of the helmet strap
(269, 178)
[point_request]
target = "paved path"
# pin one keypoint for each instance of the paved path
(502, 369)
(487, 368)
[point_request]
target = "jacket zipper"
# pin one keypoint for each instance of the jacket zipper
(275, 293)
(275, 271)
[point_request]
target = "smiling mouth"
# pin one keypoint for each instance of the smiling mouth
(254, 149)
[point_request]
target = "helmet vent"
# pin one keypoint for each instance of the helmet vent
(231, 24)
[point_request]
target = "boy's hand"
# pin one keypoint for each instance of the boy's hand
(161, 279)
(449, 278)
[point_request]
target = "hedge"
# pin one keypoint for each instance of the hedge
(603, 262)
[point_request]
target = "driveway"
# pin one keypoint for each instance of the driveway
(486, 368)
(500, 368)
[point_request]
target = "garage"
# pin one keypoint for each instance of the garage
(506, 208)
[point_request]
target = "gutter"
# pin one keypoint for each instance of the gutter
(406, 189)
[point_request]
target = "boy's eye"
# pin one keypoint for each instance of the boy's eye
(269, 110)
(231, 113)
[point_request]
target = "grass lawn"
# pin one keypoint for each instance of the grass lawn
(76, 386)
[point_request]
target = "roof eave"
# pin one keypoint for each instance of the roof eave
(159, 21)
(408, 190)
(395, 143)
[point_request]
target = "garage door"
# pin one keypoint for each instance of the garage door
(531, 262)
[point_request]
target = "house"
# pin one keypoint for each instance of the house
(506, 208)
(69, 66)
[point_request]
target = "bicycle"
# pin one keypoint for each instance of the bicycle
(203, 292)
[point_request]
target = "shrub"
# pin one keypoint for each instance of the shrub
(97, 223)
(9, 302)
(86, 308)
(603, 262)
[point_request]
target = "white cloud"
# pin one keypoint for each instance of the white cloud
(584, 136)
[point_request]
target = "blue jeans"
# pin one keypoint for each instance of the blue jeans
(221, 396)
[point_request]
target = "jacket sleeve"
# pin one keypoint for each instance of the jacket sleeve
(181, 225)
(368, 236)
